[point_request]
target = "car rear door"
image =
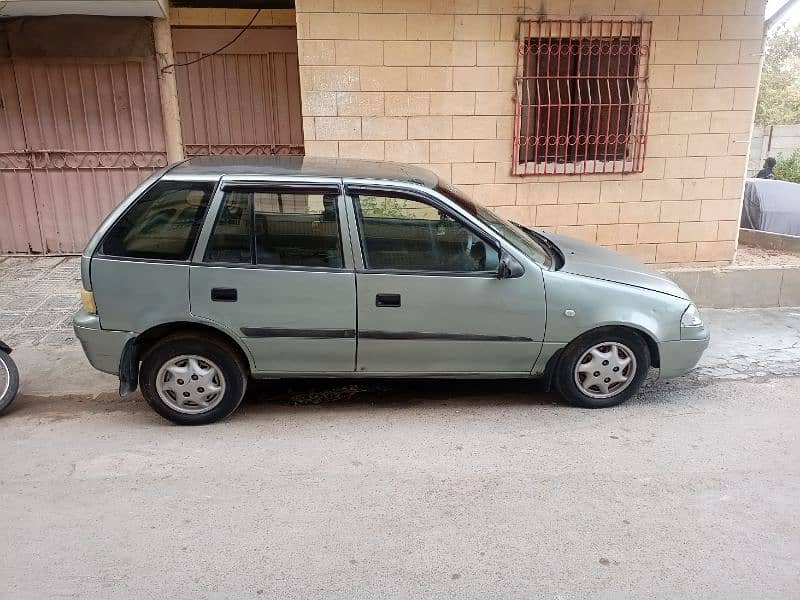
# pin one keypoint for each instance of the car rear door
(273, 267)
(429, 301)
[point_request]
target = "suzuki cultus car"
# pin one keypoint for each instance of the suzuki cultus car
(218, 270)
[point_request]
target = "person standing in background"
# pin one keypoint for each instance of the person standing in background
(767, 170)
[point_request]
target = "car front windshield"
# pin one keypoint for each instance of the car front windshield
(521, 239)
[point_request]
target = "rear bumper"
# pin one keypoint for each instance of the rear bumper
(678, 358)
(103, 347)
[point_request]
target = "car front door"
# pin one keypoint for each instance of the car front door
(274, 268)
(429, 300)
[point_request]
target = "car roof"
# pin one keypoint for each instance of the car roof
(774, 183)
(308, 166)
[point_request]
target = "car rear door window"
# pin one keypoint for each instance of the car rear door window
(400, 233)
(277, 228)
(163, 224)
(232, 238)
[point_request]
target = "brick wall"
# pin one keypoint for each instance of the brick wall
(431, 82)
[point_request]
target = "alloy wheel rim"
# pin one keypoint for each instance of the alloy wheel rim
(190, 384)
(605, 370)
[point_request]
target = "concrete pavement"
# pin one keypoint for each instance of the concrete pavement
(407, 489)
(426, 491)
(37, 300)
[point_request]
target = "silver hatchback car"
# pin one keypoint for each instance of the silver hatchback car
(217, 270)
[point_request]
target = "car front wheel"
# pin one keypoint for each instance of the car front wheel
(192, 380)
(602, 368)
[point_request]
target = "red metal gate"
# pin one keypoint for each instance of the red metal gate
(242, 100)
(76, 134)
(19, 217)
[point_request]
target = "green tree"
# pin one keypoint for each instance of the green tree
(788, 167)
(779, 95)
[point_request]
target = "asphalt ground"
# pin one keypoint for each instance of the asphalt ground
(406, 489)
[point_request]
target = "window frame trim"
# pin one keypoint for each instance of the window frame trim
(229, 182)
(215, 222)
(352, 188)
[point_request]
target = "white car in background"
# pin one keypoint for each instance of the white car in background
(771, 205)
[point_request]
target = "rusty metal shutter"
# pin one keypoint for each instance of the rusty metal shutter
(80, 125)
(245, 99)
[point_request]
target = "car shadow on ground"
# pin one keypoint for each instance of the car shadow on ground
(394, 393)
(270, 397)
(266, 398)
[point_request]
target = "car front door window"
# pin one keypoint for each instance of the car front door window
(399, 233)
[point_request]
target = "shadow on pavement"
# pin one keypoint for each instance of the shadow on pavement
(287, 396)
(394, 393)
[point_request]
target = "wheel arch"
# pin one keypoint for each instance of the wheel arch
(647, 336)
(564, 376)
(652, 345)
(137, 347)
(149, 337)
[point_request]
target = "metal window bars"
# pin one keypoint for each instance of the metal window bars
(582, 97)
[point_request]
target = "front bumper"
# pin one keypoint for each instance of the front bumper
(103, 347)
(678, 358)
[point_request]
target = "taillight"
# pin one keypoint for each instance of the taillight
(87, 302)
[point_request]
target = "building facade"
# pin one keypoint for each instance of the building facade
(625, 123)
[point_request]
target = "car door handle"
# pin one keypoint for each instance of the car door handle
(387, 300)
(224, 295)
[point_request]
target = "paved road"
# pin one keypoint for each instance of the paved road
(434, 490)
(401, 490)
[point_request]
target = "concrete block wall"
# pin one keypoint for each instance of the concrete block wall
(740, 287)
(431, 82)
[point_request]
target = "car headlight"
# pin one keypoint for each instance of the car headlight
(691, 317)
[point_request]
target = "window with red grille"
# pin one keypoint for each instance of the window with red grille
(582, 99)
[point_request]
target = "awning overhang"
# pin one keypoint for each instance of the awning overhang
(112, 8)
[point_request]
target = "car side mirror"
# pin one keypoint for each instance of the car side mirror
(509, 267)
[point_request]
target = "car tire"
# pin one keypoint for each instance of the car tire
(591, 368)
(192, 379)
(9, 385)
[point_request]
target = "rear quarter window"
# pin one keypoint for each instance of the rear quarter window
(163, 223)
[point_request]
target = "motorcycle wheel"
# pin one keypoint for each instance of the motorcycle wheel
(9, 380)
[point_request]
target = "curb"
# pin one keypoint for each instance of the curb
(740, 287)
(769, 240)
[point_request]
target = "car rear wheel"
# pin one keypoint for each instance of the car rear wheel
(9, 380)
(602, 368)
(192, 380)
